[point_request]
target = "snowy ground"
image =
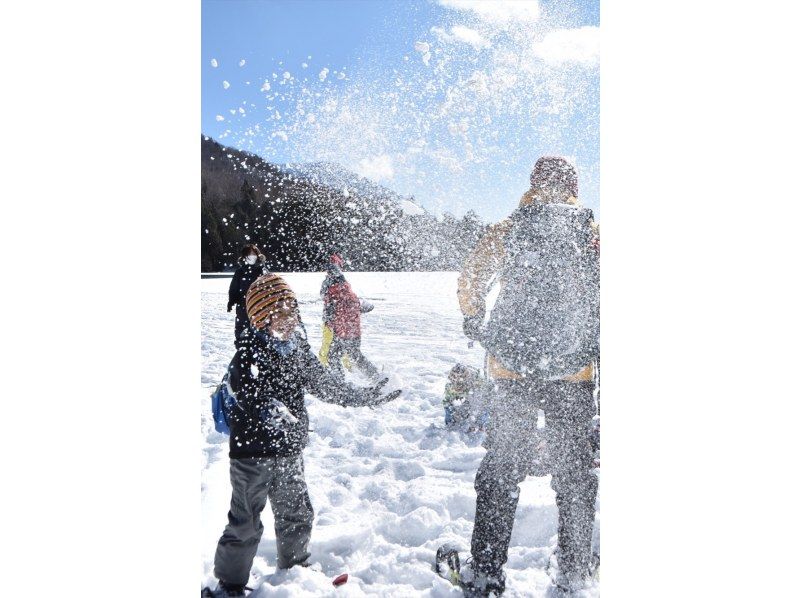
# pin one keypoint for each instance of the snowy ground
(388, 485)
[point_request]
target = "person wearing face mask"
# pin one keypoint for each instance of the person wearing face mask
(272, 370)
(252, 264)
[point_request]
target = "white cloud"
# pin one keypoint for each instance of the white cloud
(560, 46)
(265, 87)
(498, 11)
(376, 169)
(225, 85)
(462, 34)
(469, 36)
(214, 63)
(220, 118)
(241, 62)
(323, 74)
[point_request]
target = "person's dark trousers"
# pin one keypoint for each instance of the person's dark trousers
(241, 321)
(352, 348)
(511, 446)
(281, 480)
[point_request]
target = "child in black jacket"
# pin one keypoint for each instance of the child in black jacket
(273, 368)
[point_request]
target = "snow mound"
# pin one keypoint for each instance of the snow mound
(388, 485)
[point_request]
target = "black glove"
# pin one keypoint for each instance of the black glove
(372, 396)
(230, 306)
(473, 327)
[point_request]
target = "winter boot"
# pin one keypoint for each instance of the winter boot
(477, 584)
(224, 590)
(568, 583)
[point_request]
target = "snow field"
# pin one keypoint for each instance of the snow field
(389, 485)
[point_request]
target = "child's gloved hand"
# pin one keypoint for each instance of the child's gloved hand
(373, 396)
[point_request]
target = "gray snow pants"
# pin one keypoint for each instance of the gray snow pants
(511, 446)
(351, 347)
(281, 480)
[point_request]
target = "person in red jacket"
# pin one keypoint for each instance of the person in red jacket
(341, 312)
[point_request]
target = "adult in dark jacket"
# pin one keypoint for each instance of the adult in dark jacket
(252, 264)
(272, 369)
(542, 340)
(341, 313)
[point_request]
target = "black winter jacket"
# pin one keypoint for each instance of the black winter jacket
(270, 419)
(334, 276)
(244, 276)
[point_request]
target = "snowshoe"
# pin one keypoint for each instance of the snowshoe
(448, 564)
(473, 585)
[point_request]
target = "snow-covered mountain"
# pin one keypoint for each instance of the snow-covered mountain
(336, 176)
(298, 214)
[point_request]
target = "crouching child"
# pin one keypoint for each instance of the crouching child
(272, 369)
(464, 399)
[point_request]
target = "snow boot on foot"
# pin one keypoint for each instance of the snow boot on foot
(476, 584)
(224, 590)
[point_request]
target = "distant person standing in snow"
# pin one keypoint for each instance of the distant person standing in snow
(272, 370)
(252, 264)
(341, 314)
(542, 340)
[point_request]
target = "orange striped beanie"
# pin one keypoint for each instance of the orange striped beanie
(265, 292)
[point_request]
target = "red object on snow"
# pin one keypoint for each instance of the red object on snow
(341, 580)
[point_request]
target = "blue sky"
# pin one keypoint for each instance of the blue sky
(450, 101)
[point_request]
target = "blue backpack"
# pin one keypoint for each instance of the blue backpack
(222, 402)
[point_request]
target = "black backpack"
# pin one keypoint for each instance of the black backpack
(546, 319)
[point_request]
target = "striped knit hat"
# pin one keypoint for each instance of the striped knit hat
(265, 292)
